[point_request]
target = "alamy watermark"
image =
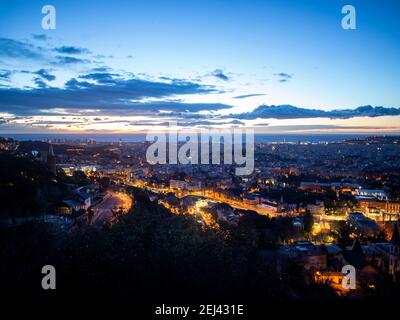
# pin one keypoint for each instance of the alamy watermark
(349, 20)
(49, 280)
(349, 279)
(180, 147)
(49, 20)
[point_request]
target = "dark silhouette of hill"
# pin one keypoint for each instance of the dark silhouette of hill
(151, 255)
(27, 187)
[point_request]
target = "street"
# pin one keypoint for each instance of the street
(112, 201)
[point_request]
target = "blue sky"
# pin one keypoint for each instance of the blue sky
(204, 61)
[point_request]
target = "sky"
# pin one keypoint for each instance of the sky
(129, 66)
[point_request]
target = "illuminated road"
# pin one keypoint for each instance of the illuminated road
(112, 201)
(210, 196)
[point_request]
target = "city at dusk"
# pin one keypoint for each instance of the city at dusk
(200, 158)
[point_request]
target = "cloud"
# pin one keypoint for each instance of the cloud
(101, 69)
(292, 112)
(45, 75)
(102, 56)
(71, 50)
(320, 128)
(249, 95)
(122, 95)
(219, 74)
(17, 49)
(283, 77)
(42, 37)
(206, 123)
(40, 83)
(5, 75)
(100, 77)
(70, 60)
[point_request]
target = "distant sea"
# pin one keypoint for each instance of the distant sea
(267, 138)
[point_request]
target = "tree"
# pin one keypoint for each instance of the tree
(308, 222)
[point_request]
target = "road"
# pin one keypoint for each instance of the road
(112, 201)
(209, 196)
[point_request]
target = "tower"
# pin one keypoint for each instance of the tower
(51, 160)
(394, 258)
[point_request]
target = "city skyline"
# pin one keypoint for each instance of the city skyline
(279, 67)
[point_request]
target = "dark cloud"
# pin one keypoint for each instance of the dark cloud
(5, 75)
(103, 56)
(70, 60)
(315, 128)
(17, 49)
(40, 83)
(42, 37)
(206, 123)
(182, 123)
(292, 112)
(283, 77)
(75, 84)
(45, 75)
(249, 95)
(71, 50)
(218, 73)
(100, 77)
(118, 95)
(101, 69)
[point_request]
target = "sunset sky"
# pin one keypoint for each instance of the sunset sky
(127, 66)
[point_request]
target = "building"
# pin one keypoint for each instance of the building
(51, 159)
(394, 258)
(178, 184)
(251, 199)
(362, 225)
(333, 278)
(79, 201)
(317, 209)
(355, 256)
(371, 194)
(387, 207)
(306, 254)
(320, 187)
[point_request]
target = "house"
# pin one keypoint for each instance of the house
(306, 254)
(394, 260)
(362, 225)
(178, 184)
(333, 278)
(79, 201)
(372, 194)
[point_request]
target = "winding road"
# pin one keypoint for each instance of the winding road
(112, 201)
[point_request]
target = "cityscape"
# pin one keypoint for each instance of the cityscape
(155, 160)
(317, 206)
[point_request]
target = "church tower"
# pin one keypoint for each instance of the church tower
(394, 258)
(51, 160)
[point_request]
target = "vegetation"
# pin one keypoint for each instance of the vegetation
(27, 187)
(150, 254)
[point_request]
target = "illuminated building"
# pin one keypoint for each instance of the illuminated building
(387, 207)
(362, 225)
(333, 278)
(368, 193)
(319, 187)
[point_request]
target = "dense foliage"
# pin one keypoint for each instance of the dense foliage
(149, 254)
(27, 187)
